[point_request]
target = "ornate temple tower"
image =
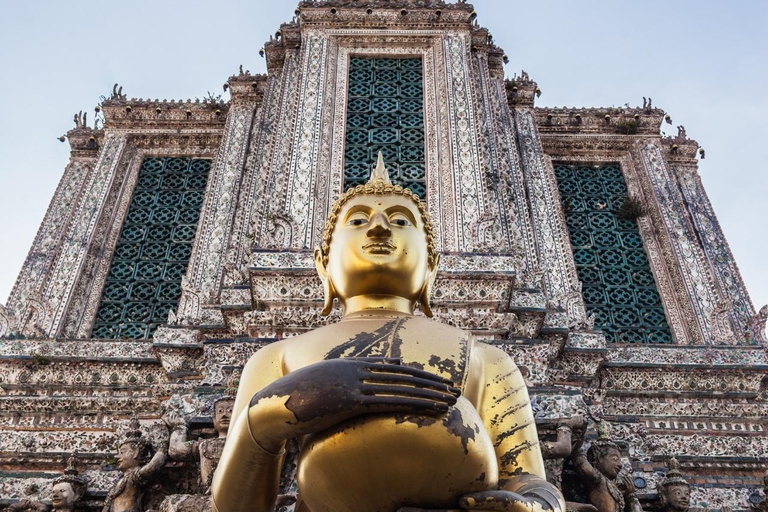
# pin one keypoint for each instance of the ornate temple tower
(180, 240)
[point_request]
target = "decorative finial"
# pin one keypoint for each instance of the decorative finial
(604, 439)
(674, 475)
(233, 382)
(380, 172)
(71, 466)
(73, 477)
(134, 427)
(134, 434)
(603, 431)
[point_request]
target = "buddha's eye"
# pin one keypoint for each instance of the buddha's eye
(357, 219)
(398, 219)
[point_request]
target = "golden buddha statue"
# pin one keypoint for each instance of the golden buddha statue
(392, 410)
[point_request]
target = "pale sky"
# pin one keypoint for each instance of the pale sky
(702, 61)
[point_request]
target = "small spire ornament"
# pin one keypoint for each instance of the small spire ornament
(72, 476)
(380, 173)
(604, 438)
(674, 475)
(379, 182)
(135, 436)
(233, 382)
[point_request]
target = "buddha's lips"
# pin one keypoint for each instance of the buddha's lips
(380, 247)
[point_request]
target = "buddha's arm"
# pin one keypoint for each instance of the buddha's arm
(506, 412)
(247, 476)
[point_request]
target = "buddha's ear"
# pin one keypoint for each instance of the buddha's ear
(328, 291)
(429, 283)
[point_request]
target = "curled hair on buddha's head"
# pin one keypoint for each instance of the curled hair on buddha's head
(378, 184)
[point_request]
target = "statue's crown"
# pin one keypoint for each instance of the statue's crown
(604, 439)
(71, 475)
(674, 476)
(233, 382)
(135, 435)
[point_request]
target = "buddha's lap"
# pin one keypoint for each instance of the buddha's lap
(380, 463)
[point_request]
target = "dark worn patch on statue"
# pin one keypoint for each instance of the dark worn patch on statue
(383, 342)
(454, 423)
(398, 339)
(449, 366)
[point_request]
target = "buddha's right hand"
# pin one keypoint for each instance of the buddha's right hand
(324, 394)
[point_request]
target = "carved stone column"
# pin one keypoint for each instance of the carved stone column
(681, 155)
(550, 233)
(688, 250)
(72, 250)
(204, 274)
(502, 172)
(27, 303)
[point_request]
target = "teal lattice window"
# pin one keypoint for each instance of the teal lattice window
(617, 283)
(144, 280)
(385, 112)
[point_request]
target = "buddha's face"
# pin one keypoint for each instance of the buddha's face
(62, 496)
(222, 415)
(610, 463)
(378, 246)
(678, 497)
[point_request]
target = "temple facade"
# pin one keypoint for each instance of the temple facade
(580, 240)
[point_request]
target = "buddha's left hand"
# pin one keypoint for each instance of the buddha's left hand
(500, 501)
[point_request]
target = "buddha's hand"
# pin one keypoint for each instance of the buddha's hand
(501, 501)
(327, 393)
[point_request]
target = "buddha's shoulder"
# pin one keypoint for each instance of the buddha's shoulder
(435, 328)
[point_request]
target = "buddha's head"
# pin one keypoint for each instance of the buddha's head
(378, 241)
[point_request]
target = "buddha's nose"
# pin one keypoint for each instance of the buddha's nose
(379, 227)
